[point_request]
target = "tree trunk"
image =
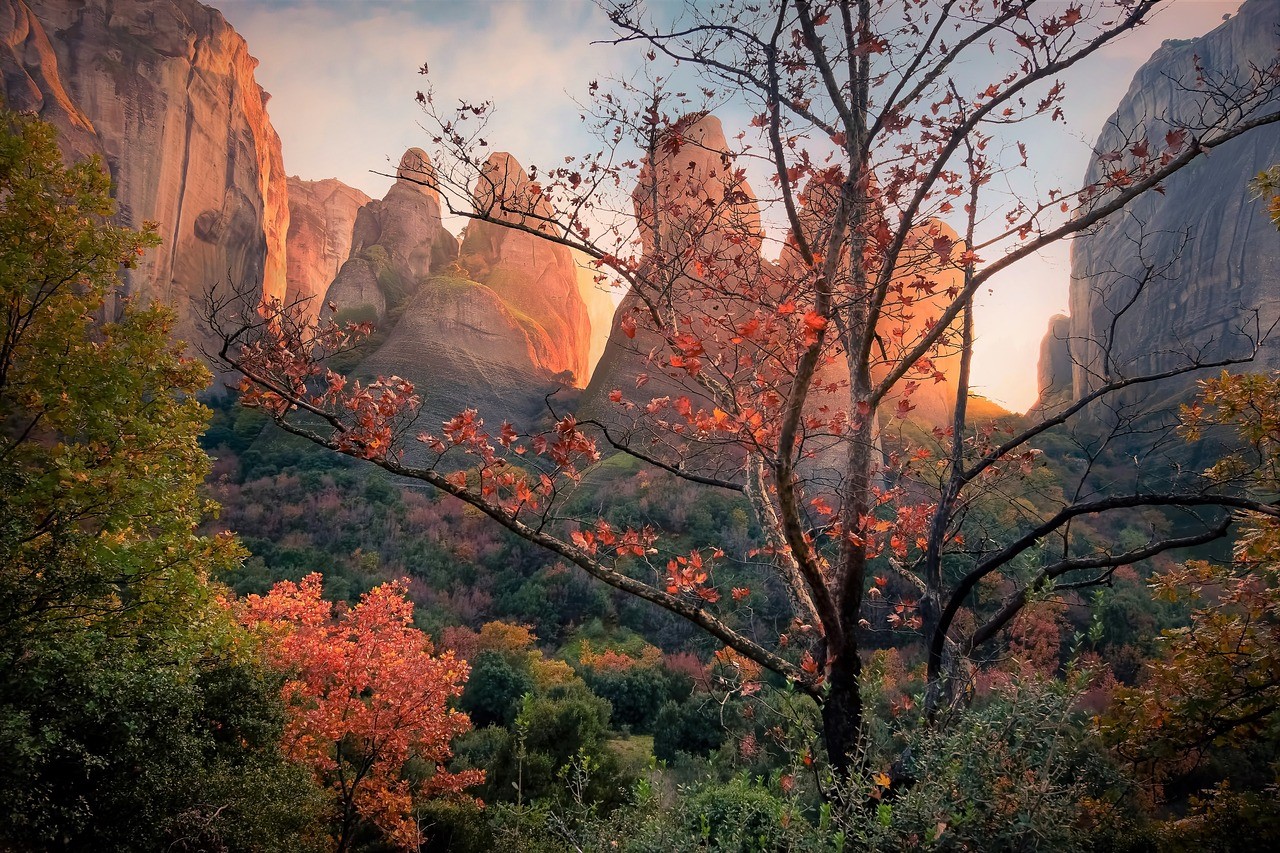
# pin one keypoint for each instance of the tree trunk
(842, 714)
(948, 677)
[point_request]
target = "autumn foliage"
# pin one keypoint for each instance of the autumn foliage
(786, 334)
(367, 701)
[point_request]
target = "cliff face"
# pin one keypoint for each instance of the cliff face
(395, 243)
(1054, 378)
(1215, 255)
(33, 81)
(701, 207)
(702, 202)
(598, 299)
(322, 217)
(164, 90)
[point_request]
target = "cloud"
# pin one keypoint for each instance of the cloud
(343, 76)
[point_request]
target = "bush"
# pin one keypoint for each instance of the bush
(1017, 772)
(691, 726)
(637, 695)
(494, 690)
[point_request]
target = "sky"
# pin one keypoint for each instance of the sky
(343, 75)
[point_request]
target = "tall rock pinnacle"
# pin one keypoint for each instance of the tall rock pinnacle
(1212, 254)
(322, 218)
(532, 275)
(395, 242)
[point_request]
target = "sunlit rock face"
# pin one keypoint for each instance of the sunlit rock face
(536, 278)
(322, 217)
(164, 90)
(496, 323)
(693, 196)
(596, 292)
(691, 201)
(1215, 255)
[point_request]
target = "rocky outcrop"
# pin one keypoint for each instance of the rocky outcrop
(1053, 379)
(165, 91)
(33, 82)
(395, 244)
(910, 313)
(703, 207)
(534, 277)
(597, 296)
(464, 347)
(496, 327)
(322, 217)
(1214, 255)
(706, 209)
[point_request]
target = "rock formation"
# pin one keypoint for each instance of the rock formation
(33, 83)
(536, 278)
(702, 205)
(703, 201)
(598, 298)
(1215, 254)
(1053, 380)
(322, 217)
(495, 327)
(165, 91)
(395, 243)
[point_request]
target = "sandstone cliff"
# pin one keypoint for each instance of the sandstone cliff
(702, 206)
(165, 91)
(598, 299)
(536, 278)
(33, 82)
(322, 217)
(1215, 255)
(395, 243)
(1053, 379)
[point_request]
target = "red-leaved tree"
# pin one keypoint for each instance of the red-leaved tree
(781, 337)
(365, 697)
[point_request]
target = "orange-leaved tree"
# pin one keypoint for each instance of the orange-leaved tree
(366, 698)
(775, 341)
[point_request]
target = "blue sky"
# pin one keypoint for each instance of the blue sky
(343, 74)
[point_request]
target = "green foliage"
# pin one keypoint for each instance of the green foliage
(740, 816)
(106, 750)
(1223, 820)
(495, 690)
(636, 694)
(524, 764)
(100, 465)
(132, 714)
(691, 726)
(1016, 771)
